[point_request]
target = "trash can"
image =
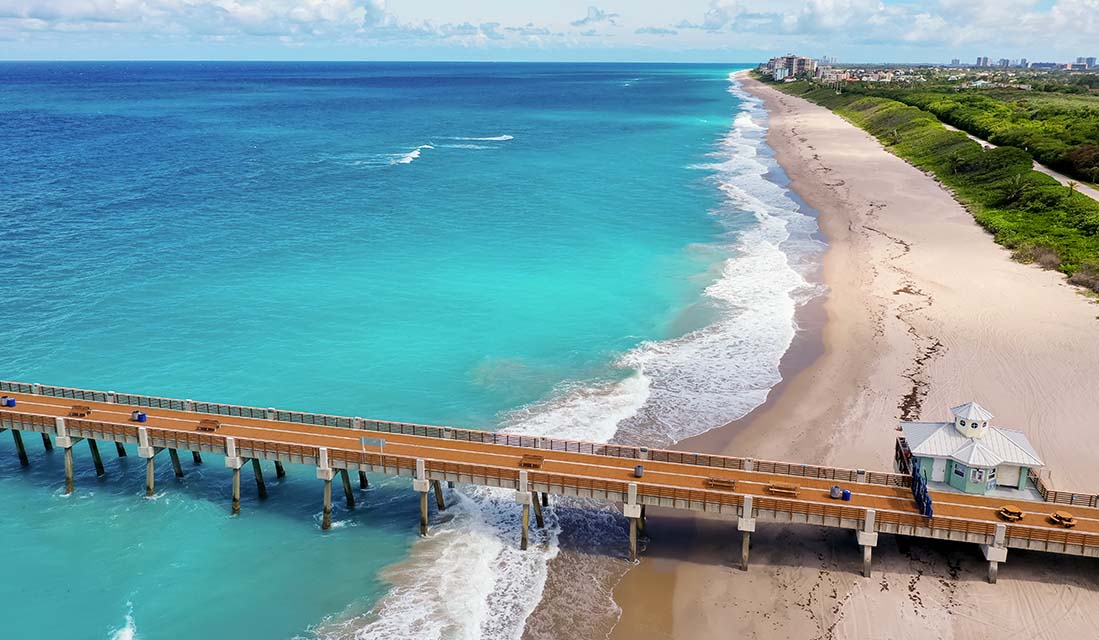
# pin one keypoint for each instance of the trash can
(847, 495)
(638, 471)
(7, 402)
(138, 416)
(836, 492)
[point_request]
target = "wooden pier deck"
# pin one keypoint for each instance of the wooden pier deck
(535, 467)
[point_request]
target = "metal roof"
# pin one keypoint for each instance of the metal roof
(972, 411)
(997, 446)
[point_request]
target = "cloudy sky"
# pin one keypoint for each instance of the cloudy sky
(647, 30)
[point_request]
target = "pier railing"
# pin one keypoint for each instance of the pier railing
(727, 502)
(1062, 497)
(469, 435)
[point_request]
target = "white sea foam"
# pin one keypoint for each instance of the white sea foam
(129, 630)
(468, 579)
(407, 158)
(502, 138)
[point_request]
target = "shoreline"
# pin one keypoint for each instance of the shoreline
(893, 344)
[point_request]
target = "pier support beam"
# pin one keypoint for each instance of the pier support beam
(348, 492)
(746, 525)
(325, 472)
(525, 540)
(257, 470)
(18, 437)
(93, 446)
(66, 443)
(70, 486)
(120, 449)
(422, 485)
(176, 467)
(46, 442)
(523, 496)
(196, 457)
(364, 484)
(150, 488)
(641, 530)
(236, 492)
(437, 489)
(868, 539)
(995, 553)
(538, 521)
(545, 499)
(632, 510)
(234, 462)
(280, 472)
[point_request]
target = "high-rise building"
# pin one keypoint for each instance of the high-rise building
(793, 66)
(1023, 63)
(1080, 60)
(983, 61)
(1004, 62)
(955, 62)
(1090, 61)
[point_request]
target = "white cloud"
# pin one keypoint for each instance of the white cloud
(595, 16)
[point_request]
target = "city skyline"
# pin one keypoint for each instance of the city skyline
(688, 31)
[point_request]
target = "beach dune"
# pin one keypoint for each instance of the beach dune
(924, 311)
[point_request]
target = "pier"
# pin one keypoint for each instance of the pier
(747, 491)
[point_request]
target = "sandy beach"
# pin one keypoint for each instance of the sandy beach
(924, 312)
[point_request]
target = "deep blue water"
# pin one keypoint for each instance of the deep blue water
(471, 244)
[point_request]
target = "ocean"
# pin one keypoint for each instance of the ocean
(593, 251)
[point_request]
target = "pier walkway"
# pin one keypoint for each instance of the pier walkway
(535, 468)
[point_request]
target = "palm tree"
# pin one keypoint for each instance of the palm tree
(1072, 184)
(1016, 188)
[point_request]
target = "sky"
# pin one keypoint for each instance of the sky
(549, 30)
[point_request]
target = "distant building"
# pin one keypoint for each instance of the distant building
(983, 61)
(793, 66)
(955, 62)
(968, 454)
(1079, 66)
(1003, 62)
(1046, 65)
(1023, 63)
(1090, 62)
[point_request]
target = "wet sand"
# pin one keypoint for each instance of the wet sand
(923, 312)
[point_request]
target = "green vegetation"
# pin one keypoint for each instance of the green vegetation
(1038, 218)
(1060, 131)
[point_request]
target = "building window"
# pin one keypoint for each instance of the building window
(992, 473)
(963, 423)
(977, 475)
(959, 471)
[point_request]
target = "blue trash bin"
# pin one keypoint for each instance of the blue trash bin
(847, 495)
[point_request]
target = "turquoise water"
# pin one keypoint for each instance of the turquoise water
(476, 245)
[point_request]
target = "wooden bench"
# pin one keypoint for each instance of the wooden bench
(531, 461)
(783, 489)
(1010, 512)
(720, 483)
(80, 411)
(1062, 519)
(208, 425)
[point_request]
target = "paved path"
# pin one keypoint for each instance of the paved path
(1081, 187)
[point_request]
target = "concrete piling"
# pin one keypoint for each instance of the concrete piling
(437, 488)
(174, 455)
(641, 530)
(236, 491)
(149, 488)
(423, 513)
(538, 521)
(996, 552)
(868, 539)
(46, 442)
(93, 446)
(257, 470)
(348, 492)
(196, 457)
(69, 484)
(364, 484)
(118, 447)
(280, 472)
(635, 524)
(524, 541)
(545, 499)
(746, 524)
(18, 437)
(326, 519)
